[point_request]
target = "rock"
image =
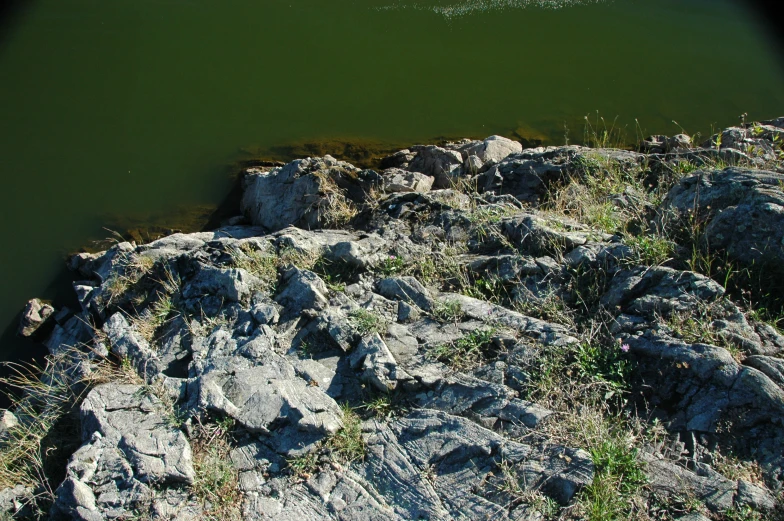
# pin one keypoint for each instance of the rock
(406, 313)
(442, 164)
(756, 497)
(128, 446)
(494, 149)
(379, 366)
(405, 289)
(302, 290)
(34, 315)
(8, 421)
(669, 479)
(743, 209)
(301, 193)
(230, 285)
(397, 180)
(16, 502)
(264, 314)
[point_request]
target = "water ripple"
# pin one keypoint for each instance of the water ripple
(470, 7)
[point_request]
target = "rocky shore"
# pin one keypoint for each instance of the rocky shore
(472, 331)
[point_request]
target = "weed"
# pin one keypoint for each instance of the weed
(608, 364)
(447, 311)
(618, 476)
(650, 250)
(301, 258)
(366, 322)
(335, 274)
(216, 485)
(148, 322)
(380, 406)
(263, 265)
(305, 465)
(466, 351)
(744, 513)
(697, 326)
(347, 445)
(392, 265)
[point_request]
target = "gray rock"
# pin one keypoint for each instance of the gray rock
(405, 289)
(755, 497)
(33, 317)
(302, 289)
(743, 209)
(128, 446)
(16, 502)
(294, 194)
(669, 479)
(380, 368)
(230, 285)
(442, 164)
(494, 149)
(265, 314)
(406, 313)
(397, 180)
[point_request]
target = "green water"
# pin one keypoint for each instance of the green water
(134, 107)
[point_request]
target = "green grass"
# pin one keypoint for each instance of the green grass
(465, 352)
(650, 250)
(367, 322)
(618, 477)
(347, 445)
(448, 311)
(216, 485)
(391, 266)
(262, 264)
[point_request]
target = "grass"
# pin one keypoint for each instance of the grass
(650, 250)
(262, 264)
(447, 311)
(148, 322)
(465, 352)
(367, 322)
(696, 326)
(216, 485)
(347, 445)
(391, 266)
(342, 448)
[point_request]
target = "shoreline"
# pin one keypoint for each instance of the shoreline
(481, 295)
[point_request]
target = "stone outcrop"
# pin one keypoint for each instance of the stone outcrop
(273, 326)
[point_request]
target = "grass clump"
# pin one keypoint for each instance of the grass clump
(650, 250)
(258, 262)
(366, 322)
(347, 445)
(392, 265)
(216, 485)
(465, 352)
(447, 311)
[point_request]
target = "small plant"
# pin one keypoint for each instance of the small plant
(466, 351)
(448, 311)
(148, 322)
(347, 445)
(392, 265)
(608, 364)
(305, 465)
(263, 265)
(216, 485)
(380, 406)
(366, 322)
(744, 513)
(618, 477)
(651, 250)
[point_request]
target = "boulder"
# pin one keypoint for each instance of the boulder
(35, 313)
(398, 180)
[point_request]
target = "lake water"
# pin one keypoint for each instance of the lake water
(132, 109)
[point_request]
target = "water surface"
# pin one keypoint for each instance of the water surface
(134, 107)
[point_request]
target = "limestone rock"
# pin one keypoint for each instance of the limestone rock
(34, 315)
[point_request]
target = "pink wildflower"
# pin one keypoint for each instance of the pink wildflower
(625, 348)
